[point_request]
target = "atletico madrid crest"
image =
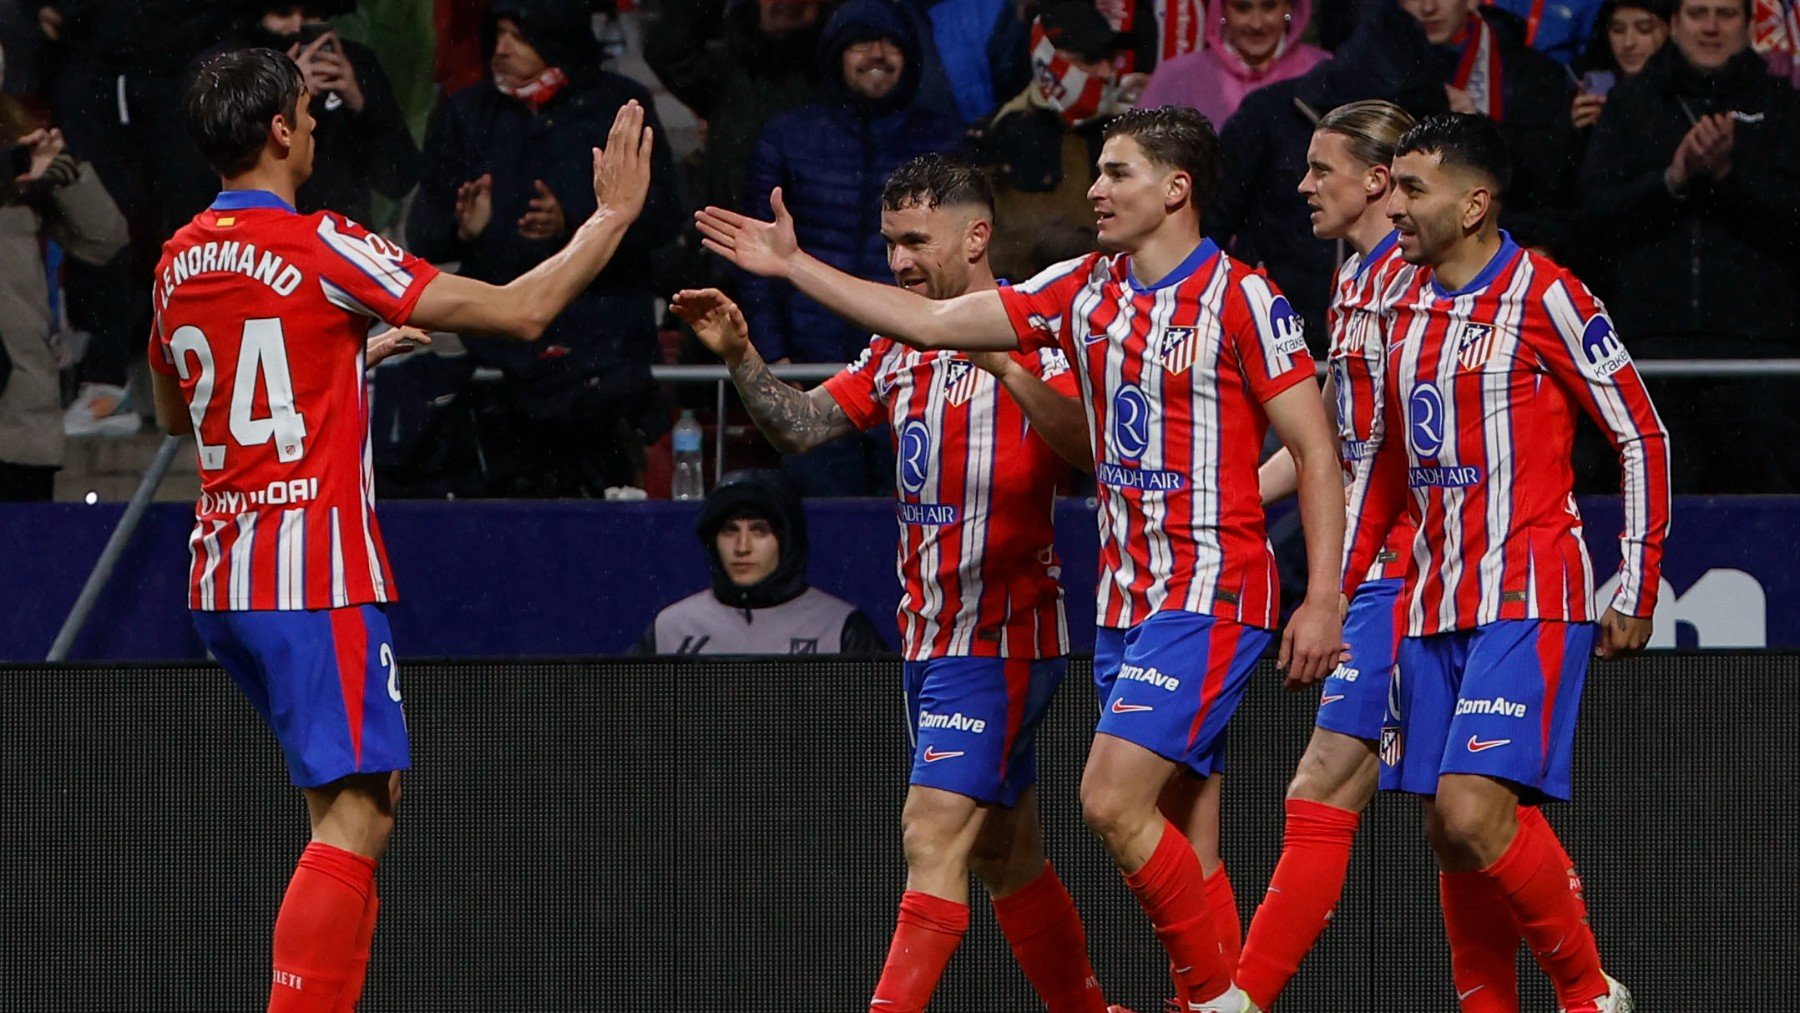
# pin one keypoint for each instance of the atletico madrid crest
(960, 378)
(1175, 351)
(1475, 345)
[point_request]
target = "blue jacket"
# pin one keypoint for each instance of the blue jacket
(831, 158)
(1563, 27)
(606, 339)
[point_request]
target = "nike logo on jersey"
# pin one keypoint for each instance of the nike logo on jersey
(1463, 996)
(1121, 707)
(1477, 745)
(933, 756)
(1333, 698)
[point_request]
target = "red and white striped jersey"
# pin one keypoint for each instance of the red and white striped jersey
(976, 489)
(1485, 382)
(263, 315)
(1173, 376)
(1364, 294)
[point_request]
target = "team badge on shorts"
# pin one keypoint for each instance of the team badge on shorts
(1392, 746)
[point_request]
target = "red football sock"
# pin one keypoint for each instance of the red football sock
(316, 930)
(925, 935)
(1222, 902)
(1303, 893)
(1484, 943)
(359, 967)
(1172, 889)
(1534, 874)
(1531, 819)
(1044, 930)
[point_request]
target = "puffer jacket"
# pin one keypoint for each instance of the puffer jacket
(831, 158)
(1215, 79)
(604, 342)
(82, 219)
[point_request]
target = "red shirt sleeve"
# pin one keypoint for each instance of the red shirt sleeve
(1270, 339)
(1052, 367)
(857, 388)
(1039, 307)
(365, 273)
(1582, 351)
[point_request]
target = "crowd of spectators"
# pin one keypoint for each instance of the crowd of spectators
(1657, 145)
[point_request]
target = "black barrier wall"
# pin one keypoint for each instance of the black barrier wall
(722, 835)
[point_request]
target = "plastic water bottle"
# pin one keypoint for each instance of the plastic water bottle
(690, 477)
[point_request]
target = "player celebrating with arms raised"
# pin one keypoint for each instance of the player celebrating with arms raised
(981, 616)
(1184, 358)
(259, 345)
(1491, 350)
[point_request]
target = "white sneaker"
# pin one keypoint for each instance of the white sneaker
(101, 410)
(1235, 1000)
(1616, 1000)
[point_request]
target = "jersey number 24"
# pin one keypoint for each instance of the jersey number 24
(262, 361)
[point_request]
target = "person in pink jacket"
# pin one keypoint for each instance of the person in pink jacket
(1249, 43)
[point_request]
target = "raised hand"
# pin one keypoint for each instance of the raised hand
(474, 207)
(716, 319)
(328, 69)
(545, 219)
(45, 145)
(765, 248)
(622, 168)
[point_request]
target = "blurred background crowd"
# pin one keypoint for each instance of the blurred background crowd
(1657, 145)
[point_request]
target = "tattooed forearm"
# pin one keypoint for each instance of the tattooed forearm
(794, 421)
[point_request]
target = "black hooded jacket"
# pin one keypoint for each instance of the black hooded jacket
(831, 158)
(767, 495)
(1723, 260)
(606, 338)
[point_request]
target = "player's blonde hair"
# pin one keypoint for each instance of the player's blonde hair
(1372, 126)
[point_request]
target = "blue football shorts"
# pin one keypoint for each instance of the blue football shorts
(974, 722)
(1354, 700)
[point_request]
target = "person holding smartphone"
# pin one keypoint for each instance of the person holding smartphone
(365, 147)
(1627, 34)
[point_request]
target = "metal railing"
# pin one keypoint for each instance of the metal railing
(720, 377)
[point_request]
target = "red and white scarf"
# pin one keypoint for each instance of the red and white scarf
(1075, 94)
(1775, 27)
(537, 91)
(1478, 71)
(1179, 25)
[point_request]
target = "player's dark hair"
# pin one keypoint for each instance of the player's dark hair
(1465, 140)
(1175, 137)
(230, 101)
(932, 180)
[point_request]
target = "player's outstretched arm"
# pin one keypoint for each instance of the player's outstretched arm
(525, 306)
(793, 421)
(1313, 642)
(974, 320)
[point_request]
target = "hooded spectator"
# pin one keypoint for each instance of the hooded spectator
(1258, 211)
(507, 174)
(831, 159)
(1249, 44)
(1693, 168)
(753, 531)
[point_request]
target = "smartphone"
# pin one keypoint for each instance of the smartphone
(312, 30)
(1598, 82)
(18, 161)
